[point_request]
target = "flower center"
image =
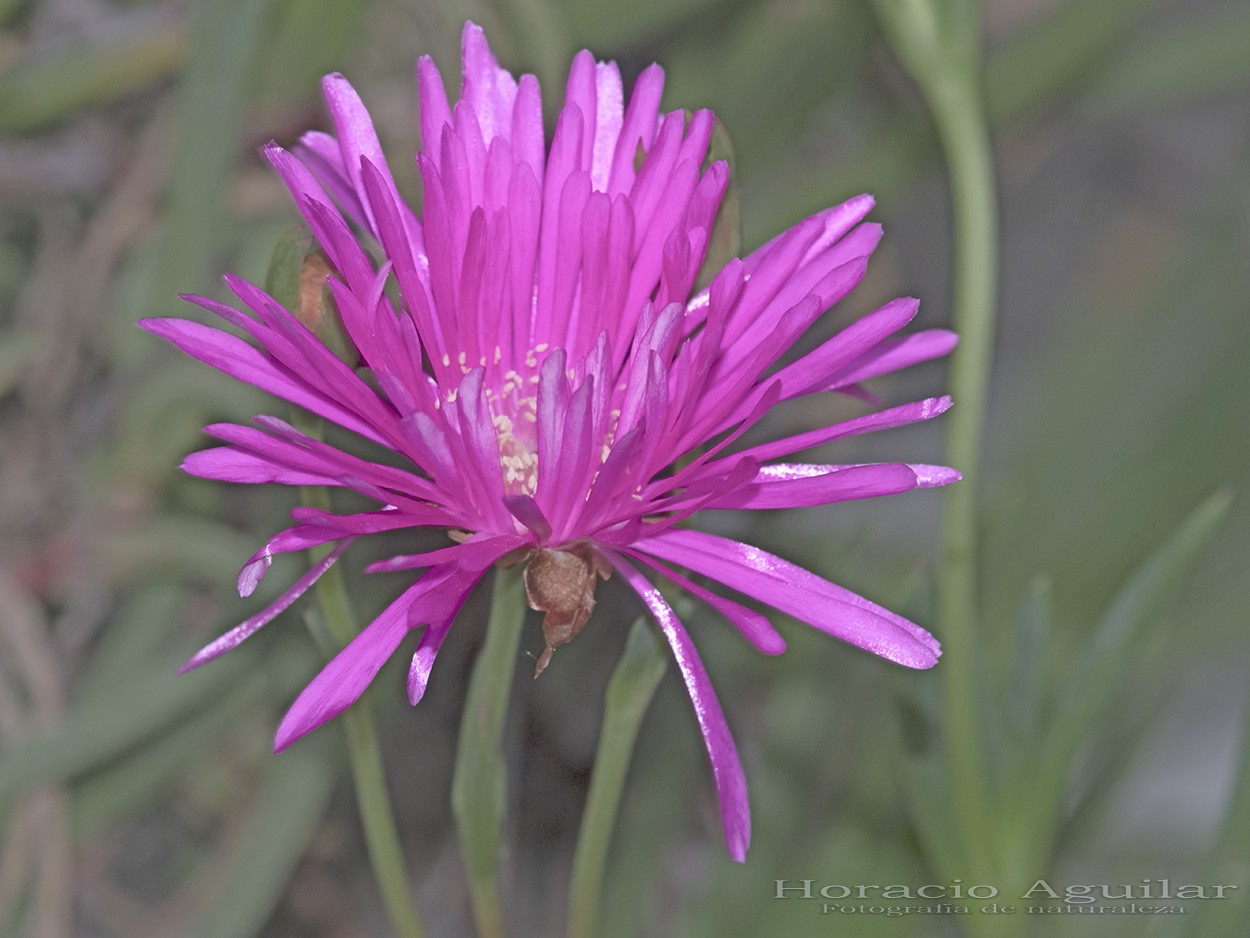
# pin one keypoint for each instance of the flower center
(514, 412)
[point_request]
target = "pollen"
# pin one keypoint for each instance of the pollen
(513, 404)
(517, 459)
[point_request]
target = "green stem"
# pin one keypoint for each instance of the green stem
(960, 116)
(628, 695)
(939, 41)
(479, 789)
(365, 757)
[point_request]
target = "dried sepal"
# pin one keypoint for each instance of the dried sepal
(561, 584)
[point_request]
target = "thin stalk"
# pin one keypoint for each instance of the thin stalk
(940, 43)
(959, 113)
(372, 800)
(479, 788)
(628, 695)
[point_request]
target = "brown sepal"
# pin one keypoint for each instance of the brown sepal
(561, 584)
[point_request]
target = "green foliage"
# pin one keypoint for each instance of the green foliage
(45, 89)
(1117, 405)
(287, 810)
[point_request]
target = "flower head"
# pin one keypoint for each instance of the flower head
(556, 390)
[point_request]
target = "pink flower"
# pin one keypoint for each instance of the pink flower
(548, 380)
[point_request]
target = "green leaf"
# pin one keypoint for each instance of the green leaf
(1113, 650)
(932, 37)
(1109, 764)
(132, 783)
(92, 734)
(1227, 860)
(308, 39)
(8, 10)
(44, 88)
(1019, 715)
(134, 635)
(294, 793)
(190, 547)
(1057, 55)
(927, 789)
(15, 352)
(754, 65)
(1193, 59)
(1033, 626)
(595, 24)
(1044, 66)
(227, 42)
(1110, 651)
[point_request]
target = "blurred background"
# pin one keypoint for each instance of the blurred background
(136, 803)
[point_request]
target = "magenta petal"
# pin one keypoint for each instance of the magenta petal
(252, 572)
(304, 454)
(839, 220)
(437, 611)
(807, 486)
(300, 537)
(529, 369)
(894, 355)
(828, 279)
(933, 476)
(228, 464)
(754, 627)
(490, 90)
(322, 155)
(432, 97)
(609, 116)
(355, 133)
(252, 625)
(638, 129)
(341, 682)
(479, 551)
(294, 351)
(236, 358)
(526, 510)
(451, 585)
(809, 373)
(798, 592)
(372, 522)
(419, 561)
(731, 784)
(882, 420)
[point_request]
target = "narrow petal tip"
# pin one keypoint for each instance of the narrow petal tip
(286, 734)
(862, 203)
(738, 843)
(933, 476)
(419, 674)
(310, 710)
(252, 573)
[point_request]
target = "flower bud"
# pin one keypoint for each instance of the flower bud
(297, 279)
